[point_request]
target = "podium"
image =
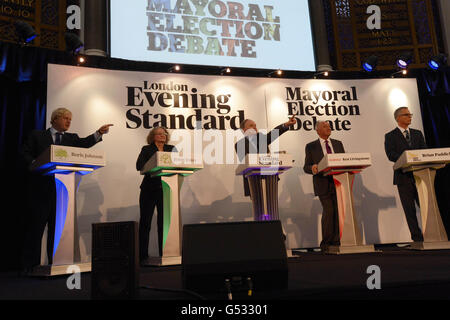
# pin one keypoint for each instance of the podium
(423, 164)
(68, 165)
(262, 172)
(172, 168)
(343, 167)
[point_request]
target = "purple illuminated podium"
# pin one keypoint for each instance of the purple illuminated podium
(261, 171)
(68, 165)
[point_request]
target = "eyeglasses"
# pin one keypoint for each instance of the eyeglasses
(406, 114)
(161, 134)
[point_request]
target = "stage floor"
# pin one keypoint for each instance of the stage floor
(404, 275)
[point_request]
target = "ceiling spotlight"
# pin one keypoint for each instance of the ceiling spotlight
(324, 73)
(438, 61)
(175, 68)
(403, 72)
(370, 64)
(276, 72)
(404, 60)
(225, 70)
(25, 32)
(73, 43)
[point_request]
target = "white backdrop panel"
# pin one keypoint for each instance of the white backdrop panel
(361, 112)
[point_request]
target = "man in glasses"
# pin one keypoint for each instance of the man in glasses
(395, 142)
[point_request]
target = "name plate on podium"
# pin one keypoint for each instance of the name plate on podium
(59, 159)
(344, 162)
(273, 162)
(166, 161)
(422, 157)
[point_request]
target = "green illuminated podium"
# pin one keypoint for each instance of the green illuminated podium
(172, 168)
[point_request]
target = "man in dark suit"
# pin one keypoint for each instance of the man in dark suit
(41, 190)
(256, 142)
(324, 185)
(395, 143)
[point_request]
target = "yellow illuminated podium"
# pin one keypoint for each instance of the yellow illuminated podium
(343, 167)
(172, 168)
(68, 165)
(423, 164)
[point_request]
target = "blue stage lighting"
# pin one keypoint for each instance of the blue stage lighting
(404, 60)
(437, 62)
(370, 64)
(73, 43)
(25, 32)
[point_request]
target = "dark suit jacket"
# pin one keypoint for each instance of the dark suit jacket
(40, 140)
(150, 183)
(313, 155)
(41, 193)
(251, 144)
(395, 144)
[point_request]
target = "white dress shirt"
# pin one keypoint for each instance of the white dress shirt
(53, 131)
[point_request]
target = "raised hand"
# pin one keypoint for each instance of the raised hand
(105, 128)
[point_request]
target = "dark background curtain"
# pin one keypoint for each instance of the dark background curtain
(23, 93)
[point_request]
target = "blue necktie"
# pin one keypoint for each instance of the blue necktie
(58, 138)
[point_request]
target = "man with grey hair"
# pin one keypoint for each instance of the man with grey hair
(395, 143)
(41, 190)
(324, 185)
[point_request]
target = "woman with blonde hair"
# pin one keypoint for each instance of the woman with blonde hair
(151, 195)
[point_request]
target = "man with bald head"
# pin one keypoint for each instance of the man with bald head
(395, 143)
(324, 185)
(257, 142)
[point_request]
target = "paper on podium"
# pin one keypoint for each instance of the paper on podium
(344, 161)
(423, 156)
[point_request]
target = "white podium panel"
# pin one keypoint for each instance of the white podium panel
(343, 167)
(265, 164)
(411, 160)
(344, 162)
(172, 161)
(423, 164)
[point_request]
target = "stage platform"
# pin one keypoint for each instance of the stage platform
(404, 275)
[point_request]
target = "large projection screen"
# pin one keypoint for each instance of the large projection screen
(262, 34)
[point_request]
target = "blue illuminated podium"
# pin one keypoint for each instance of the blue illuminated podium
(68, 165)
